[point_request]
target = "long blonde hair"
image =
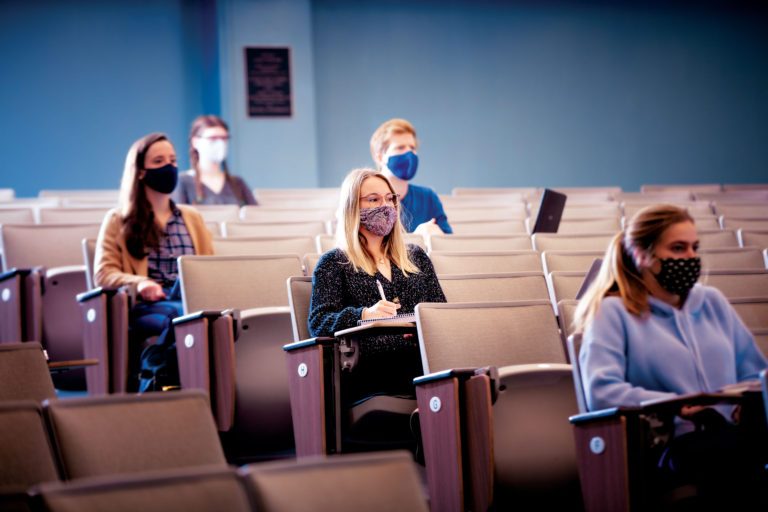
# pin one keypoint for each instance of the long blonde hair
(619, 273)
(348, 236)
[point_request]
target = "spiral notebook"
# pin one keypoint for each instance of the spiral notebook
(405, 317)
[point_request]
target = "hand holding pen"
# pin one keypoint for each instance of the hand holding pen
(381, 309)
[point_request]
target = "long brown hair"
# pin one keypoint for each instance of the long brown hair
(139, 227)
(619, 273)
(198, 125)
(348, 236)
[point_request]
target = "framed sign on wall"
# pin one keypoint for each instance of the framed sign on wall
(268, 81)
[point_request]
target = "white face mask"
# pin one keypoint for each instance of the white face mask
(212, 150)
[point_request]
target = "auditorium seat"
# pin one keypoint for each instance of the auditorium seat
(573, 261)
(218, 212)
(17, 215)
(572, 241)
(584, 225)
(486, 213)
(737, 283)
(749, 223)
(711, 239)
(484, 262)
(253, 405)
(564, 285)
(310, 262)
(713, 188)
(473, 243)
(252, 213)
(193, 489)
(696, 208)
(72, 215)
(308, 228)
(118, 434)
(253, 245)
(752, 310)
(24, 373)
(591, 210)
(327, 242)
(489, 227)
(493, 287)
(732, 258)
(566, 309)
(742, 209)
(753, 238)
(373, 482)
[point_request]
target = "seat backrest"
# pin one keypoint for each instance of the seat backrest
(310, 262)
(710, 239)
(89, 256)
(732, 258)
(710, 188)
(565, 314)
(564, 285)
(592, 210)
(251, 213)
(761, 340)
(742, 209)
(515, 242)
(299, 295)
(219, 212)
(489, 227)
(96, 436)
(250, 245)
(72, 215)
(534, 453)
(572, 261)
(24, 373)
(598, 225)
(185, 490)
(473, 335)
(413, 238)
(17, 216)
(571, 242)
(573, 343)
(307, 228)
(377, 482)
(486, 262)
(750, 223)
(754, 238)
(26, 455)
(325, 243)
(752, 310)
(50, 245)
(633, 204)
(241, 282)
(488, 212)
(493, 287)
(737, 283)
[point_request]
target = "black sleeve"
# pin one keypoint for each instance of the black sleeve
(328, 311)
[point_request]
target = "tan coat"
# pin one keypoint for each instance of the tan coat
(114, 265)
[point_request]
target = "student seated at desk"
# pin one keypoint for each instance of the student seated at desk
(138, 245)
(650, 332)
(345, 287)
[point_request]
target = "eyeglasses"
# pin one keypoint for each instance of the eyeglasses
(375, 200)
(215, 137)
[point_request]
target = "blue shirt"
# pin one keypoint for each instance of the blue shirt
(626, 360)
(420, 205)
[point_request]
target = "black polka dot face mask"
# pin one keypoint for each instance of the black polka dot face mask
(679, 275)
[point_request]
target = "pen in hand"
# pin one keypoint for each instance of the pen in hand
(381, 290)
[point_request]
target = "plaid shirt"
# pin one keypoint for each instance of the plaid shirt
(162, 265)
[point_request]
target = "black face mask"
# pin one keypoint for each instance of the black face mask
(162, 179)
(679, 275)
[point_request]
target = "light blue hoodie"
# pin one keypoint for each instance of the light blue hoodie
(626, 360)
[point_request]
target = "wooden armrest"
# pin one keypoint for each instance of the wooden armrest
(320, 340)
(65, 366)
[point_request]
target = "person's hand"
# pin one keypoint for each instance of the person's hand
(150, 291)
(382, 309)
(428, 228)
(687, 411)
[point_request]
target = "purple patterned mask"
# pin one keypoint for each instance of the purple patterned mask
(379, 220)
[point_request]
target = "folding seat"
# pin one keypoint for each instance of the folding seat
(327, 242)
(640, 198)
(564, 285)
(605, 209)
(217, 213)
(486, 213)
(242, 298)
(20, 215)
(214, 227)
(761, 339)
(193, 489)
(489, 227)
(573, 261)
(479, 191)
(24, 373)
(737, 283)
(85, 194)
(482, 200)
(752, 310)
(735, 258)
(752, 223)
(572, 241)
(595, 225)
(712, 239)
(43, 274)
(374, 482)
(566, 309)
(118, 434)
(735, 187)
(253, 213)
(485, 262)
(93, 215)
(706, 222)
(26, 455)
(253, 245)
(613, 445)
(310, 262)
(298, 197)
(753, 238)
(321, 425)
(474, 243)
(307, 228)
(742, 209)
(7, 194)
(713, 188)
(493, 407)
(493, 287)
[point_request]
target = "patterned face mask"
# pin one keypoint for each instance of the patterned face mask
(679, 275)
(379, 220)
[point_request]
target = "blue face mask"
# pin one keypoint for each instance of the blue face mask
(162, 179)
(404, 166)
